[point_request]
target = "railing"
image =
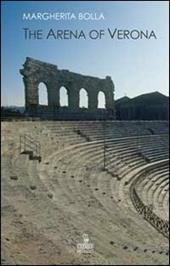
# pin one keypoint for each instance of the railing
(161, 225)
(30, 146)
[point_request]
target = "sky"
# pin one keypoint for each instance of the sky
(135, 66)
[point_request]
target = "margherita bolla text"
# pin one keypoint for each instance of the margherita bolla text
(63, 16)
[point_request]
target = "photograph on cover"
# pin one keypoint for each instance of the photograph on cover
(85, 133)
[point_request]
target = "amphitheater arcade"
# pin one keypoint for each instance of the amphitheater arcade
(35, 72)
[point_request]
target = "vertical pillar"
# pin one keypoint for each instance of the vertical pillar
(109, 100)
(109, 92)
(31, 94)
(92, 95)
(73, 98)
(53, 95)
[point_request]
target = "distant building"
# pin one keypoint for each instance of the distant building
(150, 106)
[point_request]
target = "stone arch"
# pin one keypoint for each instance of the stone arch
(83, 98)
(63, 97)
(35, 71)
(101, 100)
(42, 94)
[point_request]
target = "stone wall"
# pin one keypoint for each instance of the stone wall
(35, 72)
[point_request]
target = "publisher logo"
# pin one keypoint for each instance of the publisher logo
(86, 246)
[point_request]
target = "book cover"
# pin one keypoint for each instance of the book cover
(84, 133)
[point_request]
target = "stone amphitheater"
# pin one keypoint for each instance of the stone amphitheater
(108, 180)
